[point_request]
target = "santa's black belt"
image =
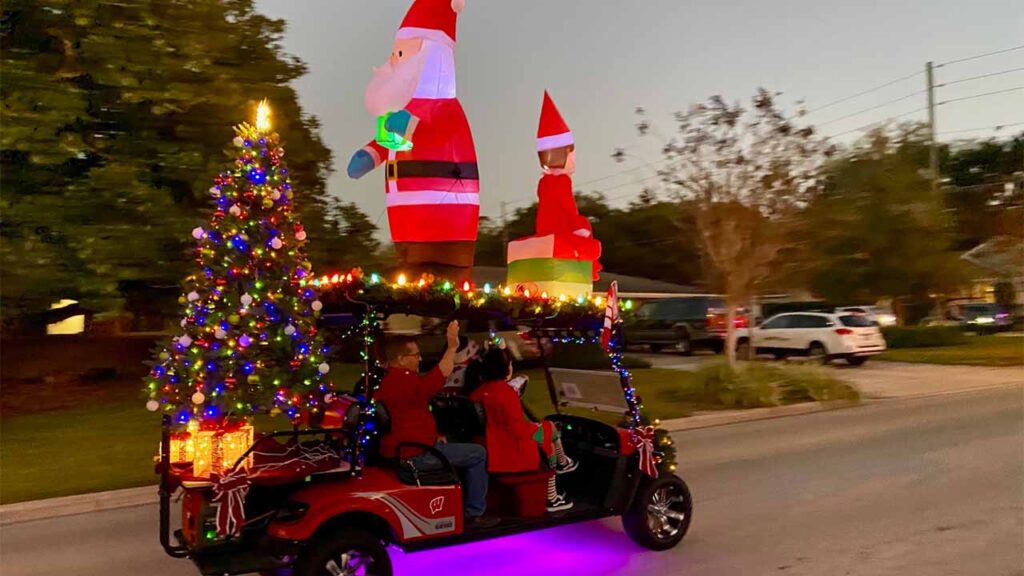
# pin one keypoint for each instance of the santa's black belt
(431, 169)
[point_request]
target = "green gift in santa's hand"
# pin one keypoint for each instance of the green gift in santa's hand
(389, 139)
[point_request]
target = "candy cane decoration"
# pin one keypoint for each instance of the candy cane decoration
(643, 439)
(229, 491)
(611, 315)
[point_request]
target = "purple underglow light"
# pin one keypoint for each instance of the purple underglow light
(598, 548)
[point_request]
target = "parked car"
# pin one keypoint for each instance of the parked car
(823, 336)
(682, 324)
(984, 318)
(883, 316)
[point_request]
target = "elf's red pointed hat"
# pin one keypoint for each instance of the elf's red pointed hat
(431, 20)
(553, 132)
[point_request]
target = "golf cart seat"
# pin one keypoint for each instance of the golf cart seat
(458, 418)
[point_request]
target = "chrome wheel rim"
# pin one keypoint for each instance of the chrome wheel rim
(351, 563)
(666, 512)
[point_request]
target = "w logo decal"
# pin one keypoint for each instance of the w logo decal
(436, 505)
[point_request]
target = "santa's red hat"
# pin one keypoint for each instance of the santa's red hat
(431, 20)
(552, 132)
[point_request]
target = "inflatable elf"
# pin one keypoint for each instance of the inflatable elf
(562, 255)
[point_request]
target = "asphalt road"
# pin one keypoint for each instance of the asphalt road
(905, 487)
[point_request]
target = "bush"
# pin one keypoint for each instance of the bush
(756, 385)
(923, 336)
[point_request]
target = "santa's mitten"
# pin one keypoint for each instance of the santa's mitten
(360, 164)
(400, 123)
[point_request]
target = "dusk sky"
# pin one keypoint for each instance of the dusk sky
(600, 59)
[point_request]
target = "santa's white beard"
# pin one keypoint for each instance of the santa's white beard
(429, 74)
(393, 86)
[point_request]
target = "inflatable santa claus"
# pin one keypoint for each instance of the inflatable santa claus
(423, 139)
(562, 255)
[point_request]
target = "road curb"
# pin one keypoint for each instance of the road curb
(77, 504)
(723, 418)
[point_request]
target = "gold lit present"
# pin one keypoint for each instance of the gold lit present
(216, 451)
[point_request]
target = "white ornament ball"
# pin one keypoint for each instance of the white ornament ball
(238, 141)
(235, 210)
(246, 299)
(220, 334)
(289, 330)
(193, 296)
(324, 368)
(300, 235)
(275, 195)
(214, 192)
(185, 340)
(152, 405)
(198, 398)
(317, 305)
(198, 232)
(276, 243)
(183, 323)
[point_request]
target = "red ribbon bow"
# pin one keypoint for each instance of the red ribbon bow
(643, 439)
(229, 491)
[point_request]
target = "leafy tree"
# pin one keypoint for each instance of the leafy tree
(746, 173)
(113, 125)
(984, 189)
(878, 230)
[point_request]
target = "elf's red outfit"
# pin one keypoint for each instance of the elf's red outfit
(510, 441)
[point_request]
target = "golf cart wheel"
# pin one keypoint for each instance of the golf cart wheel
(817, 353)
(345, 552)
(856, 360)
(660, 514)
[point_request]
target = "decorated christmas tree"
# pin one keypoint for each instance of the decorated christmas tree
(248, 342)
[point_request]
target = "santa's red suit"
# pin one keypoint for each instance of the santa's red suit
(433, 200)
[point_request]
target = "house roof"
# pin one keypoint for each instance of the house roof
(1001, 255)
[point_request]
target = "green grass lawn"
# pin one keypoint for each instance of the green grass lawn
(110, 441)
(979, 351)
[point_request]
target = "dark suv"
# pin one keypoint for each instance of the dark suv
(682, 323)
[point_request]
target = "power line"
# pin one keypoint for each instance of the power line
(977, 56)
(973, 96)
(875, 107)
(859, 94)
(980, 76)
(876, 122)
(979, 129)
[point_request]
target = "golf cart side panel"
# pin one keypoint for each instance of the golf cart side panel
(412, 512)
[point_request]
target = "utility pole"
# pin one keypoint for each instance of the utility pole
(504, 225)
(933, 153)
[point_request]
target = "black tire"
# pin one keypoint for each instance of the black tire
(856, 360)
(655, 347)
(660, 513)
(817, 351)
(355, 546)
(743, 350)
(683, 345)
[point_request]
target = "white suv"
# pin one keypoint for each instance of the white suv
(822, 336)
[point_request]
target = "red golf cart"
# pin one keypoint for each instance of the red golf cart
(320, 501)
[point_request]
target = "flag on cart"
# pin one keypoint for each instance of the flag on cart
(611, 315)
